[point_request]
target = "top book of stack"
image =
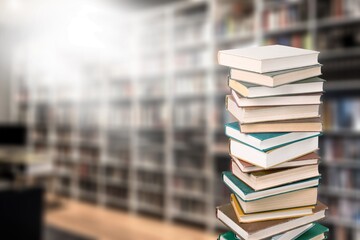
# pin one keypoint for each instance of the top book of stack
(271, 65)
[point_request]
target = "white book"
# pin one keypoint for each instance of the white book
(292, 234)
(267, 58)
(249, 90)
(312, 99)
(273, 79)
(267, 114)
(275, 156)
(265, 141)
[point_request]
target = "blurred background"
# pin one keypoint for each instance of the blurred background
(125, 100)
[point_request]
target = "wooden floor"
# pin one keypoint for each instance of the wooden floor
(107, 224)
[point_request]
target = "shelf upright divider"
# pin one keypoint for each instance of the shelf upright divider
(169, 101)
(135, 123)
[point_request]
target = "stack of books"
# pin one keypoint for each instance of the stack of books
(274, 177)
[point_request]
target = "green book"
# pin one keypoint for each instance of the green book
(314, 231)
(266, 141)
(246, 193)
(228, 236)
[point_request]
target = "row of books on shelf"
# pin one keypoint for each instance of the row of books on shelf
(343, 38)
(341, 149)
(183, 162)
(341, 114)
(190, 114)
(189, 183)
(235, 19)
(122, 89)
(191, 33)
(344, 209)
(152, 115)
(194, 84)
(116, 174)
(337, 8)
(150, 178)
(190, 206)
(150, 199)
(153, 88)
(346, 179)
(300, 40)
(152, 159)
(192, 60)
(119, 117)
(285, 16)
(117, 192)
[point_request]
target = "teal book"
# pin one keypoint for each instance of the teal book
(314, 231)
(228, 236)
(246, 193)
(266, 141)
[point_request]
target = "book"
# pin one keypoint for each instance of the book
(294, 199)
(261, 230)
(306, 86)
(292, 234)
(246, 193)
(273, 113)
(296, 125)
(308, 159)
(275, 177)
(268, 58)
(269, 215)
(317, 231)
(268, 159)
(228, 236)
(277, 78)
(266, 141)
(309, 99)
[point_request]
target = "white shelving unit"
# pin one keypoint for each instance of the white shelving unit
(160, 146)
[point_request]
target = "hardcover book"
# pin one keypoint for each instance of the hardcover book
(268, 58)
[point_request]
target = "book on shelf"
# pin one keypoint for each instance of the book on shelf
(274, 113)
(275, 177)
(295, 125)
(308, 159)
(266, 141)
(306, 86)
(268, 159)
(268, 215)
(277, 78)
(264, 229)
(268, 58)
(246, 193)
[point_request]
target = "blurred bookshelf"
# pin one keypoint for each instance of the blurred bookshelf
(146, 134)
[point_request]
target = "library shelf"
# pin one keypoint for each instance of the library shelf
(337, 22)
(299, 27)
(340, 192)
(339, 53)
(164, 62)
(339, 221)
(231, 39)
(341, 163)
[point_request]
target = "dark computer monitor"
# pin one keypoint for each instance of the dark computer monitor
(13, 135)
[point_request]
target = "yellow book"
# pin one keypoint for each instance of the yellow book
(270, 215)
